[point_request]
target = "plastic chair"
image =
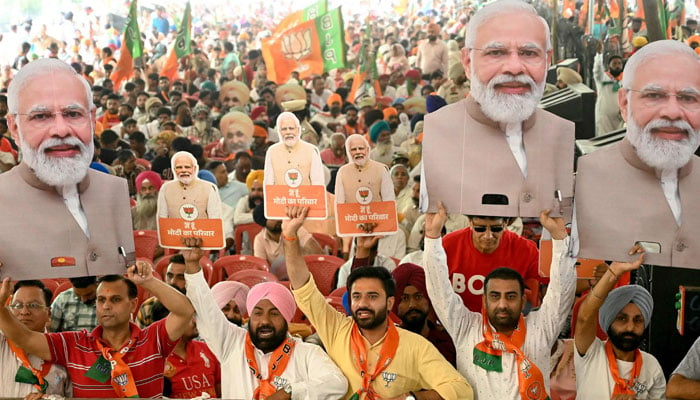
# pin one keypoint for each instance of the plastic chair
(50, 284)
(337, 303)
(532, 291)
(323, 269)
(251, 277)
(228, 265)
(339, 292)
(250, 230)
(327, 243)
(145, 243)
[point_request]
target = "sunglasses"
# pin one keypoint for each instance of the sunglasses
(492, 228)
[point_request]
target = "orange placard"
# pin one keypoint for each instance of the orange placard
(278, 197)
(585, 268)
(350, 217)
(171, 230)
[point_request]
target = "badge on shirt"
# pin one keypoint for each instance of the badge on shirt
(489, 362)
(101, 370)
(24, 375)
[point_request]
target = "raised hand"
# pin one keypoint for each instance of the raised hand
(140, 273)
(435, 221)
(193, 252)
(5, 291)
(618, 268)
(555, 226)
(296, 216)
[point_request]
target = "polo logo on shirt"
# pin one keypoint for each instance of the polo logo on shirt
(205, 359)
(388, 377)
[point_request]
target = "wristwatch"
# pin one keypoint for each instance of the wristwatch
(288, 389)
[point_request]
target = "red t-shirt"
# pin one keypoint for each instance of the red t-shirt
(77, 351)
(189, 378)
(468, 267)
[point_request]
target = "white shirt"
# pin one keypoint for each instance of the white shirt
(669, 184)
(514, 137)
(464, 326)
(310, 371)
(59, 382)
(594, 380)
(71, 198)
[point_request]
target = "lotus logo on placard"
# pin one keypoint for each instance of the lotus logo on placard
(188, 212)
(363, 195)
(293, 178)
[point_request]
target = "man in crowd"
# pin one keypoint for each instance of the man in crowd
(486, 244)
(503, 354)
(413, 307)
(143, 214)
(52, 197)
(27, 375)
(506, 55)
(684, 383)
(175, 277)
(230, 191)
(266, 361)
(653, 167)
(608, 84)
(123, 360)
(432, 53)
(237, 135)
(379, 359)
(616, 368)
(188, 189)
(74, 309)
(202, 126)
(230, 297)
(335, 156)
(268, 244)
(332, 120)
(243, 214)
(292, 153)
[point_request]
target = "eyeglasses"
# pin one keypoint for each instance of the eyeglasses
(689, 100)
(492, 228)
(29, 306)
(526, 55)
(42, 119)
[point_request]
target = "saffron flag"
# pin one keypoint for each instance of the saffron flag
(181, 48)
(311, 47)
(132, 48)
(366, 74)
(313, 11)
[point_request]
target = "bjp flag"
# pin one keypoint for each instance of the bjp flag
(313, 11)
(311, 47)
(132, 48)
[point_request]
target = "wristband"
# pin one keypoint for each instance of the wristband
(614, 274)
(289, 239)
(432, 237)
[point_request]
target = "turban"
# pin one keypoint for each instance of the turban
(408, 274)
(413, 73)
(694, 38)
(366, 101)
(455, 71)
(200, 108)
(206, 175)
(398, 100)
(348, 75)
(256, 174)
(639, 41)
(434, 102)
(208, 85)
(152, 101)
(255, 113)
(568, 76)
(150, 176)
(99, 167)
(334, 98)
(279, 296)
(415, 105)
(377, 128)
(384, 100)
(389, 111)
(259, 131)
(290, 91)
(294, 105)
(238, 88)
(241, 120)
(226, 291)
(619, 298)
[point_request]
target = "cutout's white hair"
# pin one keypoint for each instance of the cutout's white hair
(42, 66)
(185, 154)
(500, 7)
(660, 48)
(287, 114)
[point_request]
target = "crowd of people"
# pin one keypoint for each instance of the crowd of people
(450, 306)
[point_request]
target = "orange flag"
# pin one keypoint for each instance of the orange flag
(170, 66)
(131, 48)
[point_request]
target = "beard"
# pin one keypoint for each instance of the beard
(185, 180)
(384, 148)
(185, 121)
(625, 341)
(145, 210)
(267, 345)
(373, 321)
(58, 171)
(236, 320)
(508, 322)
(662, 154)
(615, 72)
(236, 147)
(506, 108)
(254, 201)
(414, 320)
(360, 162)
(201, 125)
(291, 141)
